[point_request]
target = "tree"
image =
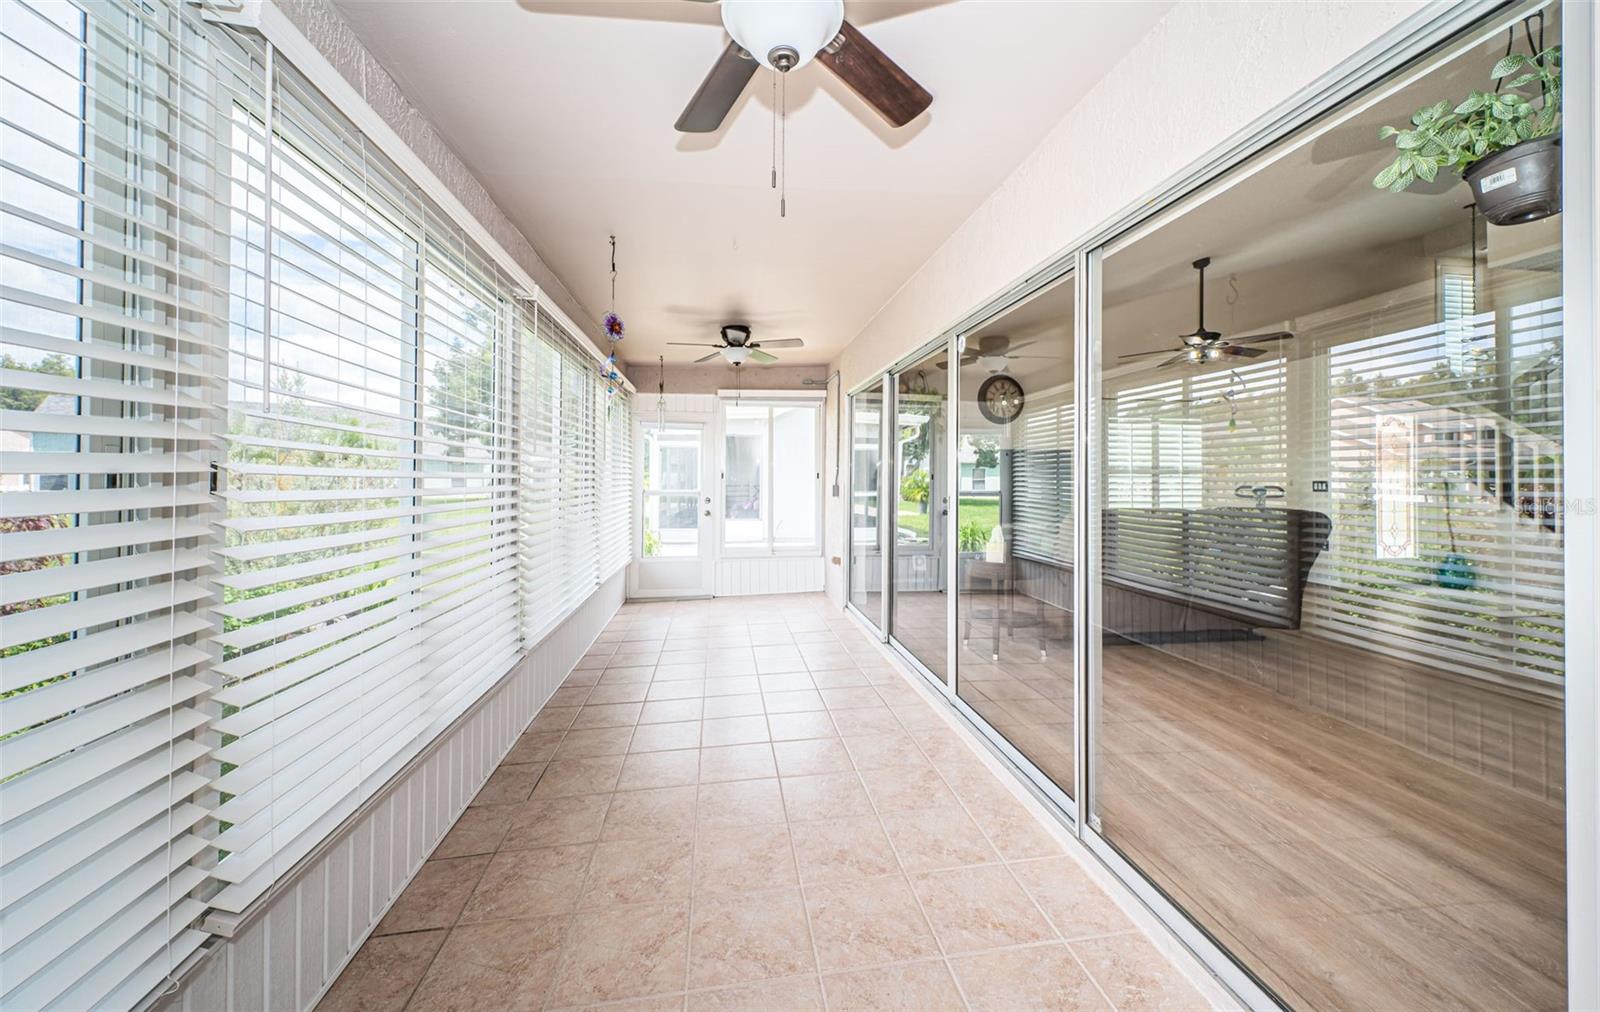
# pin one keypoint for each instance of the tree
(988, 452)
(20, 399)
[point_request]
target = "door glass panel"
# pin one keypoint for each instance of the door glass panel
(921, 490)
(671, 514)
(1329, 707)
(1014, 528)
(866, 554)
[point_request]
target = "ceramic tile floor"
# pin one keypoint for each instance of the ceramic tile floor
(739, 804)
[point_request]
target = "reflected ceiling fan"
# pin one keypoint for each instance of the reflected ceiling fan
(1201, 345)
(993, 352)
(785, 35)
(737, 348)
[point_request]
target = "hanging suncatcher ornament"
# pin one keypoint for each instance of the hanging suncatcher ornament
(614, 330)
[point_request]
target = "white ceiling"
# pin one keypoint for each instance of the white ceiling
(568, 120)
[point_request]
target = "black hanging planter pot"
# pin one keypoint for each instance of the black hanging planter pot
(1520, 184)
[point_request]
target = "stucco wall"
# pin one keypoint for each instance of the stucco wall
(1206, 71)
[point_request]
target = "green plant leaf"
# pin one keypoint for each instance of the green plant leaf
(1508, 64)
(1386, 178)
(1427, 170)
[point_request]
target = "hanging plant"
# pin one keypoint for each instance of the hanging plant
(1505, 144)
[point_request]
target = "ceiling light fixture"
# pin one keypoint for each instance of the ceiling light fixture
(736, 354)
(782, 35)
(786, 34)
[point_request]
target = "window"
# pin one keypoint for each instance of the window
(417, 475)
(1042, 489)
(616, 494)
(107, 425)
(1396, 485)
(371, 489)
(771, 482)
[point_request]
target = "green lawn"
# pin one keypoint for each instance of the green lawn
(985, 512)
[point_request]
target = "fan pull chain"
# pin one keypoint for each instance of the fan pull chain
(783, 119)
(774, 129)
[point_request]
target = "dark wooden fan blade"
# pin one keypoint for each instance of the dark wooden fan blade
(717, 93)
(707, 358)
(877, 79)
(693, 344)
(786, 342)
(761, 356)
(1238, 352)
(1279, 335)
(1143, 354)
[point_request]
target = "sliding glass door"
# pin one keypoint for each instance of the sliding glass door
(1290, 459)
(1328, 579)
(1014, 528)
(921, 496)
(866, 546)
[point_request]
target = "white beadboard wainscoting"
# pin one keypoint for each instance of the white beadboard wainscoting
(284, 955)
(769, 575)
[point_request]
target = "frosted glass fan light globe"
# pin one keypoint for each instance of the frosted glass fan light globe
(783, 34)
(736, 354)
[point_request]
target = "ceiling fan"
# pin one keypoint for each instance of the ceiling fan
(737, 348)
(785, 35)
(1201, 345)
(993, 352)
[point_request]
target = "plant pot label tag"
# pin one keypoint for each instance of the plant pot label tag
(1505, 177)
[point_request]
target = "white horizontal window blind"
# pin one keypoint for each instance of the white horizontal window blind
(578, 511)
(215, 649)
(1041, 481)
(616, 505)
(110, 297)
(371, 482)
(1197, 490)
(1477, 398)
(539, 475)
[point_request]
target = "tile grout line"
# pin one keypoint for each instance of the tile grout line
(944, 955)
(903, 874)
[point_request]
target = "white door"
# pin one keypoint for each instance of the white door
(675, 530)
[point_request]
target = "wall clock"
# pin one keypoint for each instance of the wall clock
(1000, 399)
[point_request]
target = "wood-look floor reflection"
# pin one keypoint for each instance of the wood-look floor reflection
(1346, 869)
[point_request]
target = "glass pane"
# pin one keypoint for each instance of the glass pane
(671, 459)
(671, 522)
(1014, 528)
(866, 555)
(794, 475)
(671, 525)
(1329, 581)
(919, 621)
(744, 492)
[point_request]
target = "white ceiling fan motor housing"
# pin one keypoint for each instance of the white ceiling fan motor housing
(783, 35)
